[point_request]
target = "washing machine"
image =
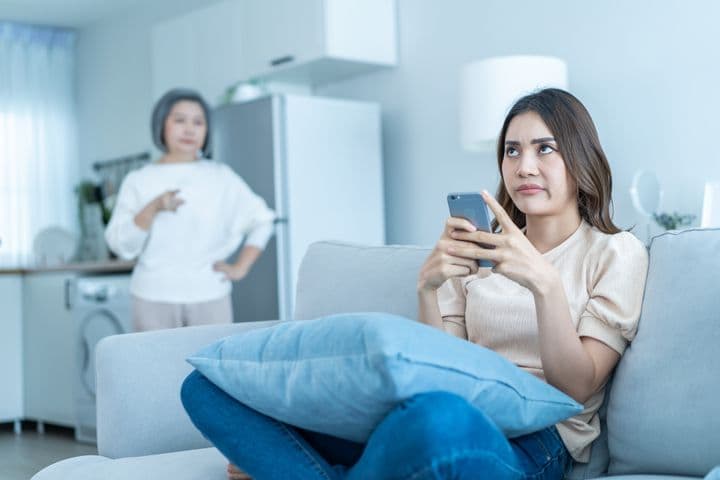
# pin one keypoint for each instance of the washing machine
(101, 307)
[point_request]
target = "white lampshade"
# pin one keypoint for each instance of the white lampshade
(491, 86)
(711, 206)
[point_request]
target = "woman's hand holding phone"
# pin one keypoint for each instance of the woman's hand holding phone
(441, 264)
(513, 254)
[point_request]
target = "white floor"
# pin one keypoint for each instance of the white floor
(22, 456)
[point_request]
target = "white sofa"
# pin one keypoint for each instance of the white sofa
(662, 420)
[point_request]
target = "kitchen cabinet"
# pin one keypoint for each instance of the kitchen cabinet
(11, 387)
(301, 42)
(316, 41)
(199, 50)
(279, 32)
(48, 347)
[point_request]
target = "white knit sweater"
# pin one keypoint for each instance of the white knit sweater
(177, 253)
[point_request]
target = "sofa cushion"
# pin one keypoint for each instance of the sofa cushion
(337, 277)
(342, 374)
(138, 383)
(661, 410)
(201, 464)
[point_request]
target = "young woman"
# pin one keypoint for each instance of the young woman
(561, 302)
(183, 216)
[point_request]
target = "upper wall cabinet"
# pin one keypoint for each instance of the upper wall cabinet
(317, 41)
(311, 42)
(199, 50)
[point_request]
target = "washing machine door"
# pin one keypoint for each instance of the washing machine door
(95, 326)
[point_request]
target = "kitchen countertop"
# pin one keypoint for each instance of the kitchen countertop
(109, 266)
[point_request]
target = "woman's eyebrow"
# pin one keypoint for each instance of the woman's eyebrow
(534, 141)
(542, 140)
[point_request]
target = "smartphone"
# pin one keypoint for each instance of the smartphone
(472, 207)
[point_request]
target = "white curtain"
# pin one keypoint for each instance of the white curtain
(38, 161)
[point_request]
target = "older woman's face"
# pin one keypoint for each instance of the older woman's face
(185, 128)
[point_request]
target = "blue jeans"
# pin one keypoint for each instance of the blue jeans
(435, 435)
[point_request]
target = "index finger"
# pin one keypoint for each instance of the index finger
(501, 215)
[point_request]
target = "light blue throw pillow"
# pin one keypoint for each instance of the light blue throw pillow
(342, 374)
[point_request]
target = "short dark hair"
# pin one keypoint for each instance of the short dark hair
(162, 110)
(578, 143)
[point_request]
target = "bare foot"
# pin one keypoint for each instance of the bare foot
(234, 473)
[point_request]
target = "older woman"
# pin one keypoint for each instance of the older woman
(181, 216)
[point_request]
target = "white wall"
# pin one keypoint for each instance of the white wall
(114, 81)
(644, 69)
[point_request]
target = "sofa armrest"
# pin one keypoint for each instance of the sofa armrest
(138, 389)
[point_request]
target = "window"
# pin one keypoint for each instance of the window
(38, 164)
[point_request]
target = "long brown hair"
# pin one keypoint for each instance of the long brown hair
(579, 146)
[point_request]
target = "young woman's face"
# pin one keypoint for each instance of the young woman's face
(533, 170)
(185, 128)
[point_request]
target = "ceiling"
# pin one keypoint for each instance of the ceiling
(65, 13)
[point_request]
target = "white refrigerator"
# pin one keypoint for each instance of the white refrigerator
(318, 163)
